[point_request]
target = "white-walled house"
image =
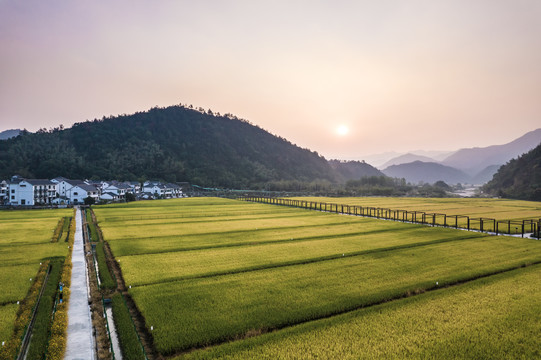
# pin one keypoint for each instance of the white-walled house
(134, 187)
(157, 189)
(78, 193)
(109, 196)
(117, 188)
(176, 190)
(31, 192)
(64, 185)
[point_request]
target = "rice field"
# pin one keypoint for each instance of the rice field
(491, 318)
(207, 271)
(25, 241)
(499, 209)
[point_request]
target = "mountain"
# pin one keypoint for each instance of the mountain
(174, 144)
(428, 172)
(7, 134)
(379, 159)
(472, 159)
(353, 170)
(406, 158)
(518, 179)
(485, 175)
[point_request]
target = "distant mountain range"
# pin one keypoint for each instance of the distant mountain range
(471, 160)
(8, 134)
(427, 172)
(407, 158)
(471, 165)
(354, 170)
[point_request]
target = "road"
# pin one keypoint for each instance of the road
(80, 342)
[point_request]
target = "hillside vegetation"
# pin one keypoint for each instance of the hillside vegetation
(519, 179)
(174, 144)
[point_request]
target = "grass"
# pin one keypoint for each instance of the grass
(91, 226)
(42, 324)
(15, 282)
(490, 318)
(129, 342)
(106, 279)
(8, 314)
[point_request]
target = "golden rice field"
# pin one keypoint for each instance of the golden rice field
(218, 278)
(25, 241)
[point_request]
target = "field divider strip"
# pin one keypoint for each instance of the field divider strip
(404, 295)
(310, 261)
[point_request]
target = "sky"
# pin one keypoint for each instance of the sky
(343, 78)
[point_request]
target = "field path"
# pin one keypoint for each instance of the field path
(80, 343)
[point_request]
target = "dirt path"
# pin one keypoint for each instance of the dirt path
(80, 343)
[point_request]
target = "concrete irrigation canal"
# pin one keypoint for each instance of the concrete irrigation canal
(80, 342)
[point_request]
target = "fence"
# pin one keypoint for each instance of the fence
(483, 224)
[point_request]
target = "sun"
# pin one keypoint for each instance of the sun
(342, 130)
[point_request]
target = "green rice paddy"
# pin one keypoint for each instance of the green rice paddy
(25, 241)
(208, 271)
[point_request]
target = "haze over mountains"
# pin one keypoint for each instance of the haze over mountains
(8, 134)
(471, 165)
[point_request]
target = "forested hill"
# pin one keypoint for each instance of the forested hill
(174, 144)
(519, 179)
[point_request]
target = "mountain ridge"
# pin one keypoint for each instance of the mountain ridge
(470, 160)
(427, 172)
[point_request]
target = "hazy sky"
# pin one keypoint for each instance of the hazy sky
(393, 75)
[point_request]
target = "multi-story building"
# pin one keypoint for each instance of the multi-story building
(31, 192)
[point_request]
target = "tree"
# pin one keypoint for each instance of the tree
(89, 200)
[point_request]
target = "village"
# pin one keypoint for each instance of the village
(60, 191)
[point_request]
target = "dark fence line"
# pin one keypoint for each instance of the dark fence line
(465, 222)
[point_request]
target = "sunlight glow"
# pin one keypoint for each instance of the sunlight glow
(342, 130)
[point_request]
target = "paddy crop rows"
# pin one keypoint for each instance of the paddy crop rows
(491, 318)
(25, 241)
(499, 209)
(254, 267)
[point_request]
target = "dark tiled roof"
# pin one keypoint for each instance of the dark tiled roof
(86, 187)
(39, 182)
